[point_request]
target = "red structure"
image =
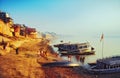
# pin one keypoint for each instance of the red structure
(16, 30)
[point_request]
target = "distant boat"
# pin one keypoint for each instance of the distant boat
(78, 48)
(106, 65)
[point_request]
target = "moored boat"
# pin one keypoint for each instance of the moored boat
(106, 65)
(78, 48)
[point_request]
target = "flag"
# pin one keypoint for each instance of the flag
(102, 36)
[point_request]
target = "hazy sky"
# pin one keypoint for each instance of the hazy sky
(71, 17)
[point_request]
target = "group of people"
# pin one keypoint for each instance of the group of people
(42, 52)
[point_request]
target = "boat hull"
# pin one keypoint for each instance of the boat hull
(104, 71)
(61, 64)
(77, 53)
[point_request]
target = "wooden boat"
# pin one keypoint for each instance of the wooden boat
(106, 65)
(78, 48)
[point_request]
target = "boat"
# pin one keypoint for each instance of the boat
(61, 64)
(75, 48)
(106, 65)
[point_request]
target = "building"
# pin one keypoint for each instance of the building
(16, 30)
(6, 24)
(5, 17)
(31, 32)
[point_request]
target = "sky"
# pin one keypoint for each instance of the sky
(68, 17)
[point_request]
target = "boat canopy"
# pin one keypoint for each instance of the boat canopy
(110, 61)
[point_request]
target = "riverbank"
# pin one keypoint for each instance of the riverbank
(27, 63)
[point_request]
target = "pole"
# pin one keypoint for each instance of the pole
(102, 45)
(102, 48)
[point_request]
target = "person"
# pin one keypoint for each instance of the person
(17, 52)
(5, 45)
(77, 57)
(38, 53)
(41, 52)
(69, 57)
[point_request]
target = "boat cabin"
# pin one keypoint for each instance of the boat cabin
(108, 63)
(67, 47)
(78, 47)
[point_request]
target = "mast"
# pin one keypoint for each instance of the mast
(102, 40)
(102, 48)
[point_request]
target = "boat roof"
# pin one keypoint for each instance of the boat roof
(75, 44)
(111, 61)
